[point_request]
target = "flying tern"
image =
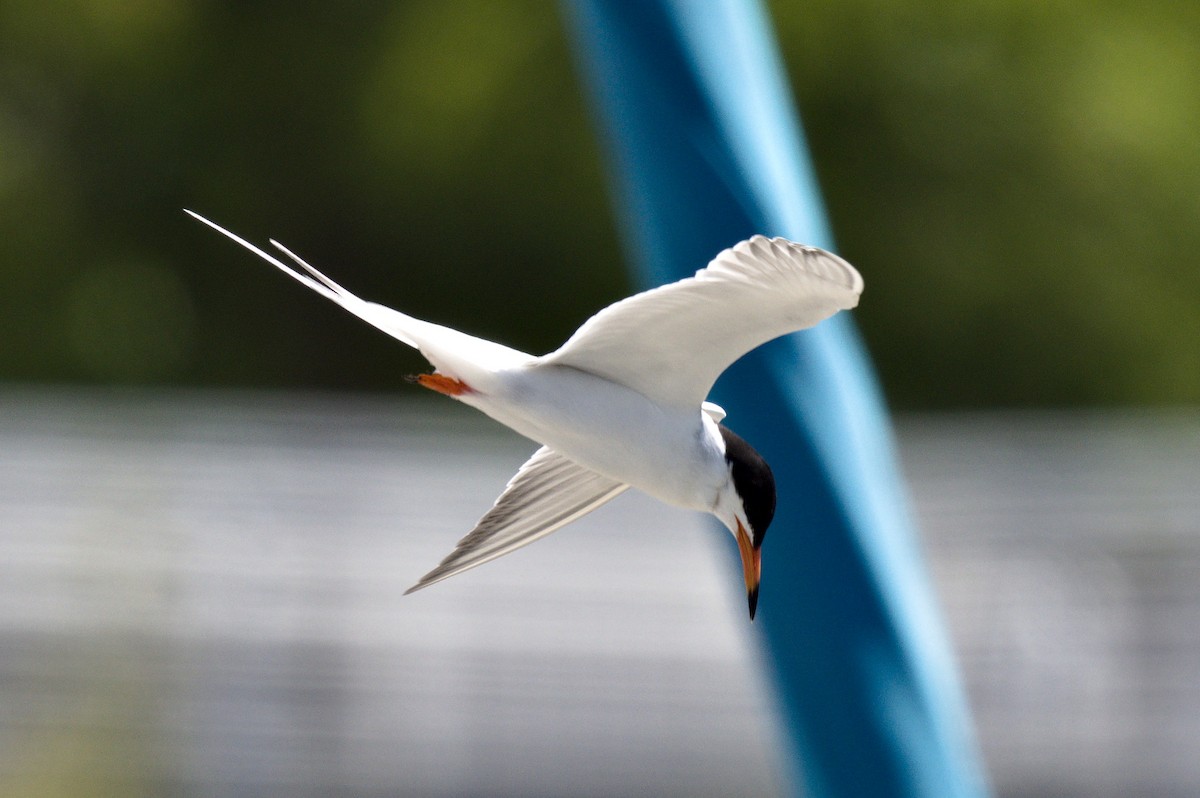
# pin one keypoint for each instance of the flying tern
(622, 403)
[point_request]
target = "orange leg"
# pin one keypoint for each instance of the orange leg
(443, 384)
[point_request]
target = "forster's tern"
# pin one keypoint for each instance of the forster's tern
(622, 403)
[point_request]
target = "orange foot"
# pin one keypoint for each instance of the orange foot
(443, 384)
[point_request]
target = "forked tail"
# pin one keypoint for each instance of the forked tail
(459, 357)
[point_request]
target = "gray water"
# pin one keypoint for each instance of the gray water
(201, 594)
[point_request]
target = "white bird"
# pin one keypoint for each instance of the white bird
(622, 403)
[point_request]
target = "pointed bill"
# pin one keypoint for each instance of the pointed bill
(751, 566)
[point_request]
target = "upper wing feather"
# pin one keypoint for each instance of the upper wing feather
(547, 493)
(671, 343)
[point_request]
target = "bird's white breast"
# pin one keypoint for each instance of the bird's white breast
(675, 456)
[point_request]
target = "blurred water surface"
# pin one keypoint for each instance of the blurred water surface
(201, 594)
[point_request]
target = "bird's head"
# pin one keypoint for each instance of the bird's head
(748, 506)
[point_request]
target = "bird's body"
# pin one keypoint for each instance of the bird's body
(621, 403)
(675, 456)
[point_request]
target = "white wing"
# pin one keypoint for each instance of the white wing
(671, 343)
(547, 493)
(454, 353)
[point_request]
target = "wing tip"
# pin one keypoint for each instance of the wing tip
(816, 261)
(503, 529)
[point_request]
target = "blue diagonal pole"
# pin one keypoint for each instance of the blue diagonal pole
(708, 151)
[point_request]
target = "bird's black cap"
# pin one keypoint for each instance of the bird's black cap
(753, 481)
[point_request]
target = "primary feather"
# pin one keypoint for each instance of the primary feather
(547, 493)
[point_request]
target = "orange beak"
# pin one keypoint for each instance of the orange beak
(751, 566)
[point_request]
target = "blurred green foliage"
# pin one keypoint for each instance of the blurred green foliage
(1016, 180)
